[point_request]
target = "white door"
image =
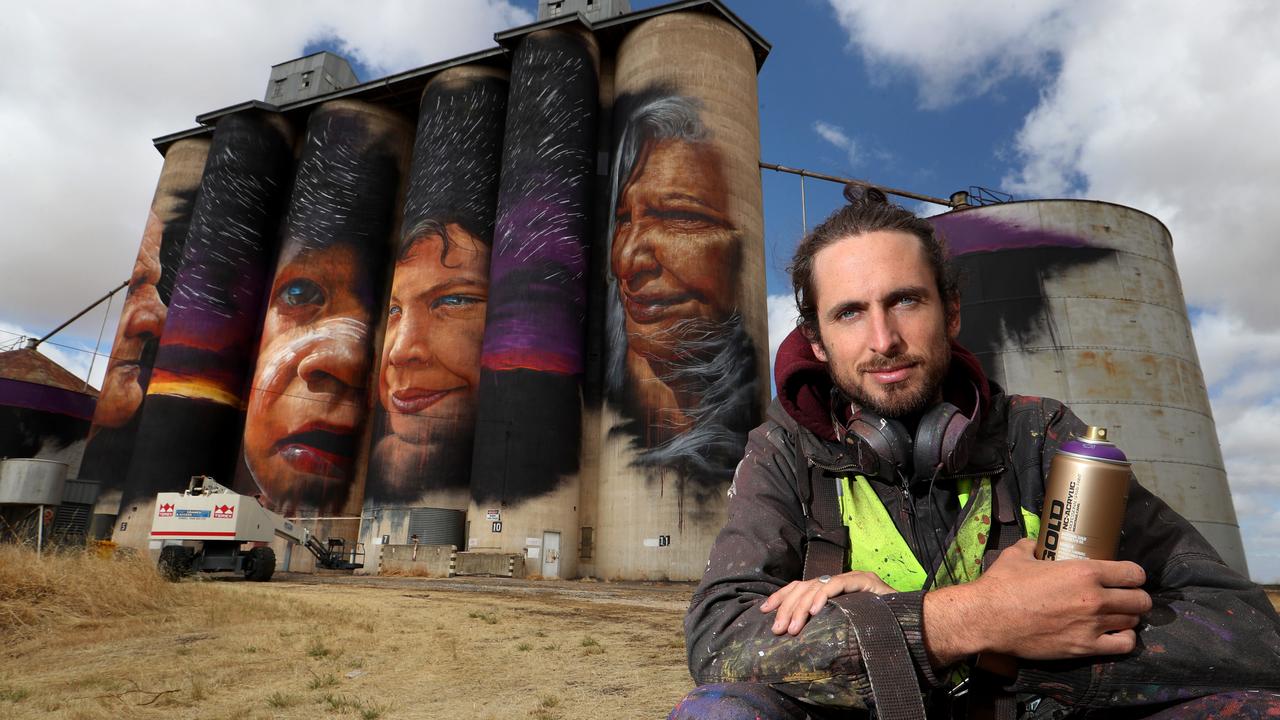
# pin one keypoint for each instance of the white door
(550, 554)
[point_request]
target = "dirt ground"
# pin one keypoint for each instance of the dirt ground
(85, 639)
(315, 646)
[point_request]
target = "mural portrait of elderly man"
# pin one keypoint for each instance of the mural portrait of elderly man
(682, 366)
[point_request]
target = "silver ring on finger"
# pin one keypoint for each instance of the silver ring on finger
(824, 579)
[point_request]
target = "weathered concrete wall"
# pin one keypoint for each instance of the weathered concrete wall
(420, 560)
(501, 564)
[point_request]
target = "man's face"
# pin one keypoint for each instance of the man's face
(305, 406)
(675, 252)
(885, 331)
(435, 327)
(141, 322)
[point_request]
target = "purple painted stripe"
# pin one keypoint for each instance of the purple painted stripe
(33, 396)
(971, 231)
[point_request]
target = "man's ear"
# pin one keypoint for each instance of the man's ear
(953, 319)
(815, 342)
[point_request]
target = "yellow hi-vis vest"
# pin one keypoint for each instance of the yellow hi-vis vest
(875, 545)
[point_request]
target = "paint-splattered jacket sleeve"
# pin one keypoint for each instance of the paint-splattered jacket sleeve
(1211, 629)
(759, 551)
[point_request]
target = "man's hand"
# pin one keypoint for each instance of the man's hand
(1037, 609)
(800, 600)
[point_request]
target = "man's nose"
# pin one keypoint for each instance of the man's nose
(885, 339)
(337, 360)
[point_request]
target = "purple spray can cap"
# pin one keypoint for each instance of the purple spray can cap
(1094, 445)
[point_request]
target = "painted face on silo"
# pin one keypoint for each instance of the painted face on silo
(435, 324)
(675, 258)
(140, 323)
(306, 404)
(675, 254)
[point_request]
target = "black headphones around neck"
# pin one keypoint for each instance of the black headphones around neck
(885, 447)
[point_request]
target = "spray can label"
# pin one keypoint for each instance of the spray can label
(1085, 498)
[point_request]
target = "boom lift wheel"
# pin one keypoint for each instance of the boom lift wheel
(260, 564)
(175, 562)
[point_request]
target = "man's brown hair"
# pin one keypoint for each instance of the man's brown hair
(868, 211)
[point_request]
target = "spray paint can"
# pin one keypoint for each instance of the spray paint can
(1084, 500)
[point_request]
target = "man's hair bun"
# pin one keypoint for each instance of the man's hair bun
(859, 194)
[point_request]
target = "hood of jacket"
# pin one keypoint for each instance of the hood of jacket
(804, 384)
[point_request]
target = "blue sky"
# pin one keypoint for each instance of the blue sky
(1171, 111)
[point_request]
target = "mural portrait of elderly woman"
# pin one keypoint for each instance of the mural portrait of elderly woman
(681, 366)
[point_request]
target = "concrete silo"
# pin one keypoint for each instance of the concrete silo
(685, 326)
(1081, 301)
(525, 471)
(192, 415)
(308, 402)
(142, 319)
(420, 449)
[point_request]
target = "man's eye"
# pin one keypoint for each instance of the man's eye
(394, 311)
(847, 314)
(301, 292)
(909, 301)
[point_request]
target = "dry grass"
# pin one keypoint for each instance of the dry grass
(109, 639)
(71, 588)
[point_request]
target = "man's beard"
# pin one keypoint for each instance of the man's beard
(897, 400)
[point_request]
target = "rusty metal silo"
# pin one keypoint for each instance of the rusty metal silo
(1081, 301)
(685, 327)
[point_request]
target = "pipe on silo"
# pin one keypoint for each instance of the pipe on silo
(686, 327)
(429, 371)
(1081, 301)
(142, 320)
(528, 419)
(192, 415)
(308, 401)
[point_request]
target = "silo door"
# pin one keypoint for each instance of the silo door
(550, 554)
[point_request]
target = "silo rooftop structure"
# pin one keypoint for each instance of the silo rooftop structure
(1081, 301)
(47, 408)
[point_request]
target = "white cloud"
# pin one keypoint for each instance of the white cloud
(87, 85)
(75, 358)
(836, 135)
(1172, 112)
(782, 320)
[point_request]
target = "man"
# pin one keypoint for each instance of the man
(800, 616)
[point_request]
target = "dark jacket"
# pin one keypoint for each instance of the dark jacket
(1210, 629)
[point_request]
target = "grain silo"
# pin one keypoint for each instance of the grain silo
(428, 375)
(142, 319)
(605, 342)
(307, 404)
(1081, 301)
(192, 415)
(685, 327)
(525, 472)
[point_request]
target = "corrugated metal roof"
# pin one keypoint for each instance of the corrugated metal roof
(29, 365)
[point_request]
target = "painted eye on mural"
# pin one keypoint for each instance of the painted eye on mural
(394, 311)
(687, 220)
(301, 292)
(456, 302)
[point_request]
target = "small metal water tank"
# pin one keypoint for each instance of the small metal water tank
(27, 481)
